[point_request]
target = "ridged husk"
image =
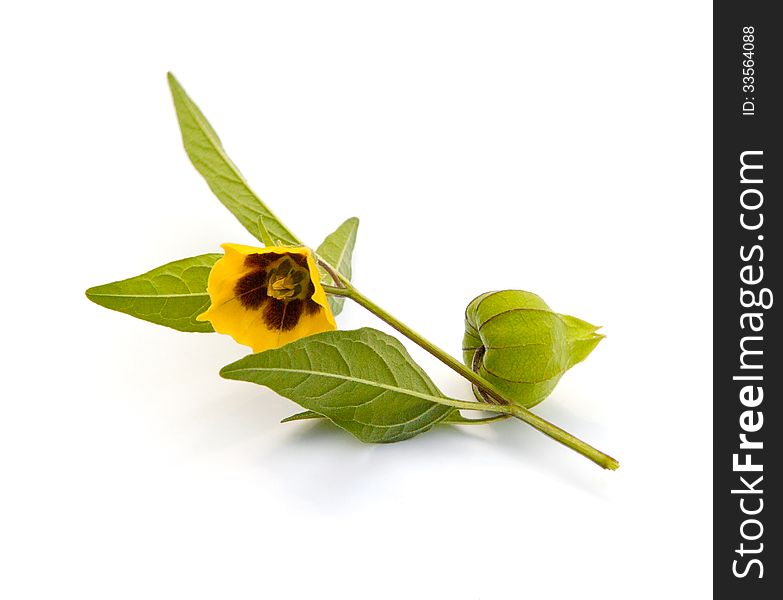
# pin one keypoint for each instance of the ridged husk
(523, 346)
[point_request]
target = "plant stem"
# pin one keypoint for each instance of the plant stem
(482, 421)
(504, 405)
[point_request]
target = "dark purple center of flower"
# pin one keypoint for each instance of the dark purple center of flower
(280, 286)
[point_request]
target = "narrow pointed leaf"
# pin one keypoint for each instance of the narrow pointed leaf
(263, 233)
(172, 295)
(210, 159)
(364, 381)
(303, 416)
(337, 250)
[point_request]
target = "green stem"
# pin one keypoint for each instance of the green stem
(504, 406)
(481, 421)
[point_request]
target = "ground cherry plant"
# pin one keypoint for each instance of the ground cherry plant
(281, 298)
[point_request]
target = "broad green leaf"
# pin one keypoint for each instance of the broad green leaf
(364, 381)
(337, 250)
(172, 295)
(210, 159)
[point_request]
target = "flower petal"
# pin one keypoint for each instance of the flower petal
(242, 307)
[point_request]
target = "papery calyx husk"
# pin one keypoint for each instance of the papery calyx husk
(521, 346)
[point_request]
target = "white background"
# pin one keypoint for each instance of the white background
(563, 148)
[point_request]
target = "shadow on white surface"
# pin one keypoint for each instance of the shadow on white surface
(322, 466)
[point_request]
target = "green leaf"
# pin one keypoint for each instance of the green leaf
(303, 416)
(207, 155)
(364, 381)
(337, 250)
(263, 233)
(172, 295)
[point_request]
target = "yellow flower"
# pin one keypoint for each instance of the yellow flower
(267, 297)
